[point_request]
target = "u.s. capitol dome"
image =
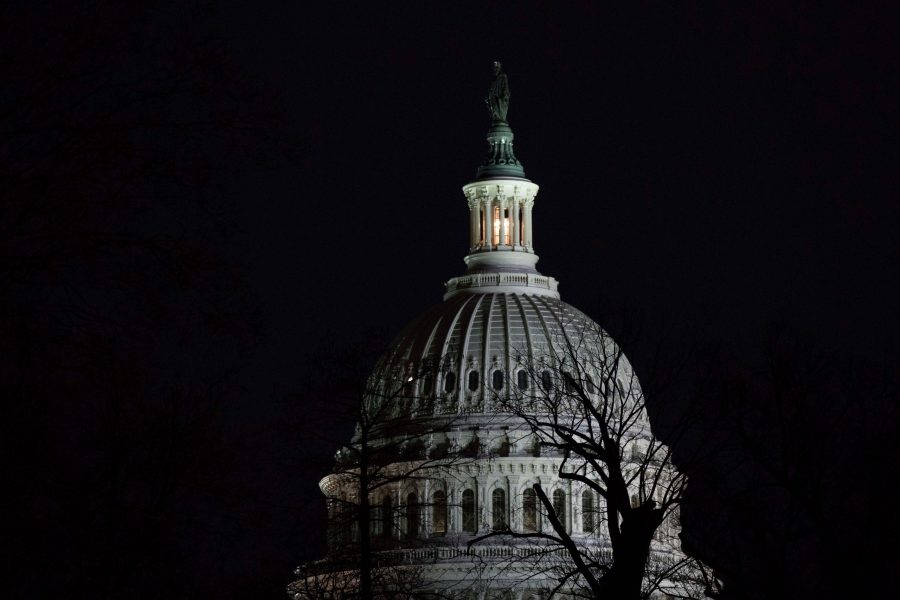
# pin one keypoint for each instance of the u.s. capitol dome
(449, 456)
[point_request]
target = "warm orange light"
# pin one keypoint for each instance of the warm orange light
(497, 230)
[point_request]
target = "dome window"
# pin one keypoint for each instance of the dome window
(529, 510)
(473, 381)
(449, 381)
(498, 510)
(412, 515)
(439, 513)
(522, 379)
(468, 511)
(587, 511)
(559, 506)
(546, 380)
(497, 380)
(570, 383)
(387, 518)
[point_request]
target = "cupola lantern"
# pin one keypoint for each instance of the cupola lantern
(501, 200)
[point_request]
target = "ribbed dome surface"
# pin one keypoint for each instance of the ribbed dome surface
(462, 354)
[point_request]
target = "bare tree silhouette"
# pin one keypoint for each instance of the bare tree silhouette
(582, 402)
(794, 505)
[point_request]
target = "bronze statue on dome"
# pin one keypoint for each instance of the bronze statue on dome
(498, 96)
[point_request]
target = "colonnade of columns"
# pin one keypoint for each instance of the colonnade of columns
(452, 506)
(499, 221)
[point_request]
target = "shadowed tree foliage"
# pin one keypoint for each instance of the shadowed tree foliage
(797, 504)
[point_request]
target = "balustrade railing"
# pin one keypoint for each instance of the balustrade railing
(499, 279)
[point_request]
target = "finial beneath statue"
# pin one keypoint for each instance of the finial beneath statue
(498, 96)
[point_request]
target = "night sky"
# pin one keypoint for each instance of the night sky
(719, 172)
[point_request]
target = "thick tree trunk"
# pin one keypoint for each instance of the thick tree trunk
(631, 552)
(365, 538)
(365, 549)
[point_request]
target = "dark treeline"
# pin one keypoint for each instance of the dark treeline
(796, 500)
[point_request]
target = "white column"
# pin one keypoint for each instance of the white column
(546, 526)
(474, 211)
(529, 236)
(501, 202)
(488, 228)
(491, 203)
(509, 503)
(480, 509)
(515, 221)
(515, 505)
(452, 507)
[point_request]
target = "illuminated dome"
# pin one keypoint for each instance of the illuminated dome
(476, 351)
(452, 385)
(458, 369)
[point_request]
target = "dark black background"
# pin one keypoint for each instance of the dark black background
(714, 169)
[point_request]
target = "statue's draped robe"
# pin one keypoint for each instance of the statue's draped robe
(498, 98)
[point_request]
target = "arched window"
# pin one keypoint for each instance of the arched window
(529, 510)
(426, 399)
(412, 515)
(570, 383)
(546, 380)
(449, 381)
(497, 380)
(559, 506)
(498, 510)
(522, 379)
(468, 511)
(439, 512)
(387, 518)
(473, 381)
(587, 511)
